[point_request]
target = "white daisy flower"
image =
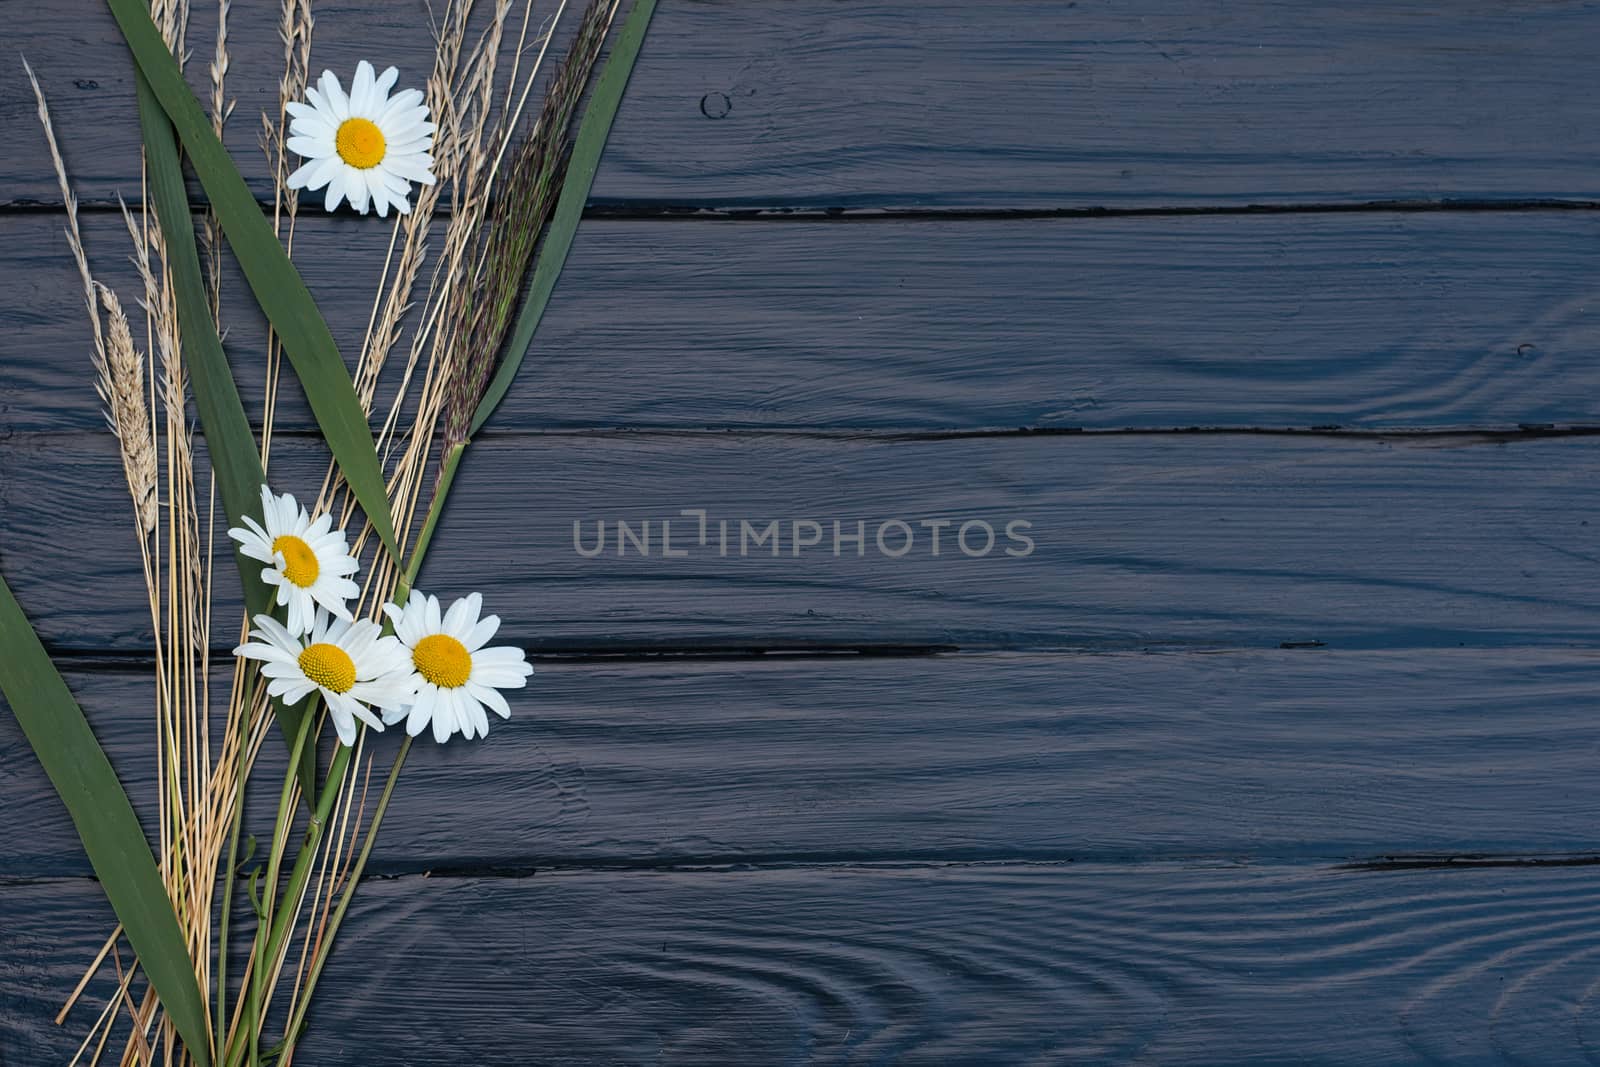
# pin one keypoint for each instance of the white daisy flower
(347, 662)
(367, 146)
(306, 559)
(455, 676)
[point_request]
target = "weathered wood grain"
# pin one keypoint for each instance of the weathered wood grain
(1140, 541)
(1258, 757)
(1363, 321)
(929, 105)
(1155, 963)
(1210, 540)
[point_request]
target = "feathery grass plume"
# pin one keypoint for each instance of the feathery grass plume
(120, 383)
(295, 24)
(119, 366)
(70, 201)
(221, 108)
(511, 233)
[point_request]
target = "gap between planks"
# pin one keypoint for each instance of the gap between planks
(645, 211)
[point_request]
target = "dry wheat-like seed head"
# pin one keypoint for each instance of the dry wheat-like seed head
(121, 385)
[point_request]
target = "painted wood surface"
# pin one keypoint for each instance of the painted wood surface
(1142, 540)
(1366, 321)
(1132, 827)
(1287, 755)
(938, 105)
(923, 964)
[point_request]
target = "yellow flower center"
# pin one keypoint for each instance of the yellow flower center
(329, 666)
(299, 563)
(360, 143)
(442, 660)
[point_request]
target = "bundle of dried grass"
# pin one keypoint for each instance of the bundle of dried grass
(501, 177)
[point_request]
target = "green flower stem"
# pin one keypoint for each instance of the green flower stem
(447, 477)
(292, 1032)
(230, 871)
(330, 789)
(282, 919)
(280, 833)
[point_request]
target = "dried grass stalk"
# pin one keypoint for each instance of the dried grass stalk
(527, 196)
(121, 385)
(70, 201)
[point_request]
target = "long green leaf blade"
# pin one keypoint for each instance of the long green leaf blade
(277, 285)
(586, 149)
(112, 838)
(235, 460)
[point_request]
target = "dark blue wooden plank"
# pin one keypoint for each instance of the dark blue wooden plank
(934, 104)
(1208, 540)
(1262, 756)
(1364, 321)
(922, 964)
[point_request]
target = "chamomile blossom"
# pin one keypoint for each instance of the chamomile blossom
(367, 147)
(455, 676)
(305, 558)
(349, 663)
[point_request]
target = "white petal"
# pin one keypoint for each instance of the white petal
(481, 634)
(272, 630)
(320, 105)
(335, 190)
(338, 103)
(455, 620)
(412, 168)
(407, 128)
(344, 723)
(422, 710)
(314, 147)
(355, 190)
(315, 173)
(399, 103)
(307, 112)
(257, 550)
(300, 613)
(361, 89)
(443, 718)
(490, 697)
(378, 192)
(474, 711)
(385, 82)
(332, 602)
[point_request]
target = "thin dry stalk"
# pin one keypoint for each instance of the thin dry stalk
(295, 26)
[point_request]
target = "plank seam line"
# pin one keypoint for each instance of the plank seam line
(776, 864)
(109, 660)
(652, 211)
(1465, 435)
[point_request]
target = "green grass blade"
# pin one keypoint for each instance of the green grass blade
(235, 460)
(112, 838)
(586, 149)
(278, 288)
